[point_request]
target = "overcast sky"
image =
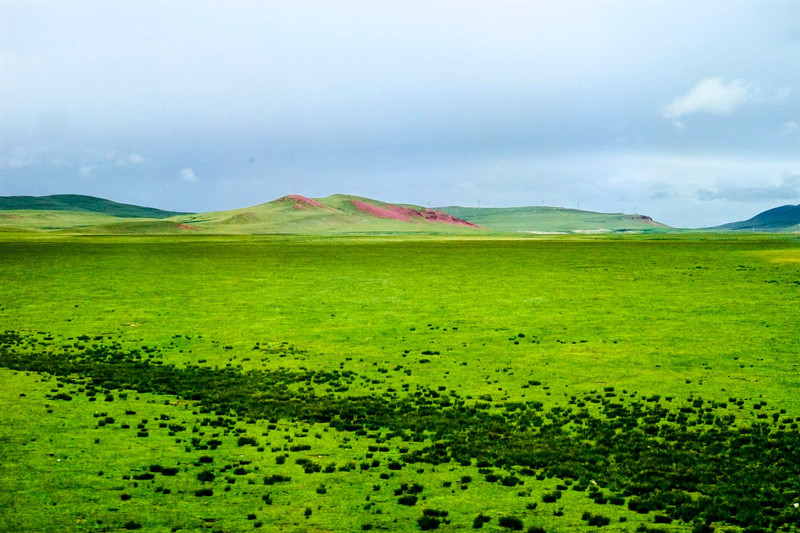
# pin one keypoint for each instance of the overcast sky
(687, 111)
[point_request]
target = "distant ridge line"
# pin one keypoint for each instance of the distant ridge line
(85, 204)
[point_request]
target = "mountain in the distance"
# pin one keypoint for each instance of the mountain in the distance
(785, 218)
(294, 214)
(535, 219)
(336, 214)
(82, 204)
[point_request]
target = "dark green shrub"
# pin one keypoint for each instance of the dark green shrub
(427, 523)
(276, 478)
(206, 476)
(551, 497)
(510, 481)
(407, 500)
(510, 522)
(595, 519)
(479, 521)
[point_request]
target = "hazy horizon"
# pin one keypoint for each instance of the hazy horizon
(684, 112)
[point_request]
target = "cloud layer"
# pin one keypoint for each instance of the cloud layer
(788, 190)
(714, 96)
(419, 102)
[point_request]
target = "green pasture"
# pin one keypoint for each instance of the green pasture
(627, 383)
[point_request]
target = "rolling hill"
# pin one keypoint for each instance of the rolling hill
(337, 214)
(552, 220)
(294, 214)
(81, 204)
(780, 219)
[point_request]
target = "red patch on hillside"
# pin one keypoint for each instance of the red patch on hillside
(406, 214)
(440, 216)
(301, 201)
(186, 226)
(388, 211)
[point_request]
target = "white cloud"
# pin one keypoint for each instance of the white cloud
(789, 128)
(787, 189)
(714, 96)
(131, 159)
(782, 95)
(86, 171)
(20, 158)
(188, 175)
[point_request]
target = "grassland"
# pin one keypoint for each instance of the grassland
(544, 219)
(338, 384)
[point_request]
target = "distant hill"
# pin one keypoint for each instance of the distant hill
(294, 214)
(552, 220)
(780, 219)
(338, 214)
(81, 204)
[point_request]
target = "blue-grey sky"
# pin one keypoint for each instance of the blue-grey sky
(684, 110)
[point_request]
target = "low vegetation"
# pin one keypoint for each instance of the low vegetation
(637, 384)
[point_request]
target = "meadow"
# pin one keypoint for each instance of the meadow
(282, 383)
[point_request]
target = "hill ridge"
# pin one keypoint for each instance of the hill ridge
(336, 214)
(782, 218)
(83, 203)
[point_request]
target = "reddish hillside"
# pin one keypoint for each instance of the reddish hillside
(406, 213)
(300, 202)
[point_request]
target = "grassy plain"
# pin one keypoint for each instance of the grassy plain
(318, 384)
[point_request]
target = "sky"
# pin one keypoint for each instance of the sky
(687, 111)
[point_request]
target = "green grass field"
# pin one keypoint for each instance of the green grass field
(196, 383)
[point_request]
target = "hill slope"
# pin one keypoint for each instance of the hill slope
(294, 214)
(81, 204)
(779, 219)
(337, 214)
(552, 219)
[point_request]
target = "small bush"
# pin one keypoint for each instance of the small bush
(479, 521)
(206, 476)
(595, 519)
(407, 500)
(276, 478)
(510, 522)
(428, 522)
(551, 497)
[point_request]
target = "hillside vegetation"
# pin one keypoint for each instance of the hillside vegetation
(553, 220)
(780, 219)
(294, 214)
(558, 383)
(81, 204)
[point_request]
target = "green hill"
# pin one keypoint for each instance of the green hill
(337, 214)
(81, 204)
(552, 220)
(780, 219)
(294, 214)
